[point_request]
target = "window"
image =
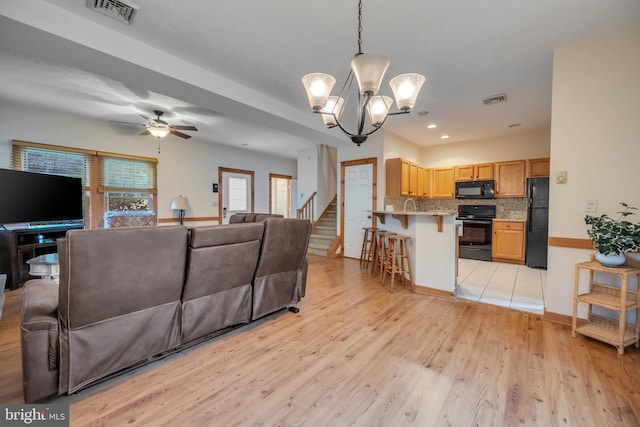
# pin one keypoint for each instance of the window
(54, 160)
(237, 194)
(128, 184)
(112, 182)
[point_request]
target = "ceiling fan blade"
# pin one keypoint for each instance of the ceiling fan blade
(162, 122)
(180, 134)
(146, 132)
(184, 127)
(127, 123)
(145, 117)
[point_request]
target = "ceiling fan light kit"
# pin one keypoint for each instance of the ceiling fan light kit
(368, 70)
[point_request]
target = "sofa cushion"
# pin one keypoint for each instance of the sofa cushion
(277, 282)
(221, 261)
(119, 299)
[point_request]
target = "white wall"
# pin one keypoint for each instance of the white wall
(187, 167)
(307, 174)
(526, 145)
(595, 132)
(395, 146)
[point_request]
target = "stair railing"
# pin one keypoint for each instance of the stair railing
(307, 211)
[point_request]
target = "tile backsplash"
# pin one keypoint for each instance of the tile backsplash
(506, 208)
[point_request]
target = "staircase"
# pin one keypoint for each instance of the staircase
(324, 231)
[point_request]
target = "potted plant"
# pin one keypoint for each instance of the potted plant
(613, 237)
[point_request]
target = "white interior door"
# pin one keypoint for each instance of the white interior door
(358, 193)
(236, 194)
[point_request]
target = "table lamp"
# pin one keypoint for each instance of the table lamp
(180, 204)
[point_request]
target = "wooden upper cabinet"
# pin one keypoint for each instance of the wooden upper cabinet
(484, 171)
(401, 178)
(413, 180)
(424, 182)
(474, 172)
(510, 179)
(538, 167)
(443, 183)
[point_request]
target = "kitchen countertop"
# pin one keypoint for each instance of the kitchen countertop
(416, 212)
(509, 220)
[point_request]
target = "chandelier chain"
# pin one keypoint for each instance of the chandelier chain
(359, 27)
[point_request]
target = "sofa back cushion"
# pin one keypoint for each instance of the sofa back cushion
(221, 261)
(282, 259)
(119, 299)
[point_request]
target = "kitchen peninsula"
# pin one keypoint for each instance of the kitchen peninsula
(432, 246)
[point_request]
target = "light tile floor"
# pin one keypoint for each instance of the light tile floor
(508, 285)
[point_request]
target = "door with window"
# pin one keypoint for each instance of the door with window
(236, 192)
(280, 194)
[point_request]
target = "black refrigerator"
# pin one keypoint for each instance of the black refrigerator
(537, 222)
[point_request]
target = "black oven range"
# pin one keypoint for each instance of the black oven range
(475, 240)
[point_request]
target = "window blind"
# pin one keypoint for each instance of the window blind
(33, 157)
(127, 174)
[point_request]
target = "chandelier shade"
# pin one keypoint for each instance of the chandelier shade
(369, 69)
(318, 86)
(405, 89)
(378, 108)
(332, 111)
(372, 109)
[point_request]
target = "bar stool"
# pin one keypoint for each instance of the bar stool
(398, 260)
(368, 245)
(380, 252)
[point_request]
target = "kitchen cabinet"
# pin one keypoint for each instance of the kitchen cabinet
(617, 298)
(443, 183)
(510, 179)
(474, 172)
(404, 178)
(538, 167)
(424, 182)
(508, 240)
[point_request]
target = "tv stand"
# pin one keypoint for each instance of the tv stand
(19, 245)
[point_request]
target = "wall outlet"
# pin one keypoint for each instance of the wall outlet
(591, 205)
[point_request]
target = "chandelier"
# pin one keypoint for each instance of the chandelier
(372, 109)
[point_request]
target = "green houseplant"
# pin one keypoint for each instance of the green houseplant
(613, 237)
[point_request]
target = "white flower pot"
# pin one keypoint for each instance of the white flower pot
(615, 260)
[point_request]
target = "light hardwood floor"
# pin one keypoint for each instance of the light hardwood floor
(358, 355)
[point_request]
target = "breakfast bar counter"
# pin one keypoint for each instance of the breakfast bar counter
(432, 247)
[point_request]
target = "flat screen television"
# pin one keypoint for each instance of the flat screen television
(36, 197)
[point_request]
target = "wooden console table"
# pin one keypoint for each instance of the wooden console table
(19, 245)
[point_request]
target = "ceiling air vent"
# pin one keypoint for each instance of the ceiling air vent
(495, 99)
(116, 9)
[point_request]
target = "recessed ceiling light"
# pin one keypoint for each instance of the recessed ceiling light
(432, 126)
(444, 137)
(423, 113)
(515, 125)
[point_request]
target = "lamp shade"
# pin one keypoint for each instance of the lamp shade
(158, 131)
(369, 69)
(405, 88)
(334, 105)
(180, 203)
(378, 108)
(318, 87)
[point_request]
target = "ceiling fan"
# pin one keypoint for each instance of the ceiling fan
(159, 128)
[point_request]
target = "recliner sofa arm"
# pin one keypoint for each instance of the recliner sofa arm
(39, 337)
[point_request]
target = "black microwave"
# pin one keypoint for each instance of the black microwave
(475, 189)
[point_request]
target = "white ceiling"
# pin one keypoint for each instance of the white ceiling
(232, 68)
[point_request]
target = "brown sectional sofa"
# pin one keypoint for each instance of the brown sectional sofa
(129, 295)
